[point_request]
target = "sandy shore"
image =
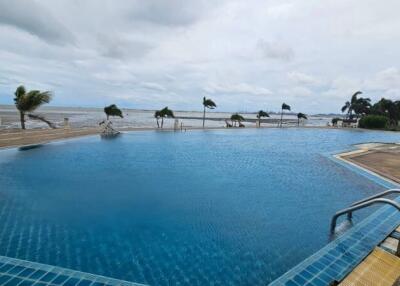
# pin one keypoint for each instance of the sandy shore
(379, 158)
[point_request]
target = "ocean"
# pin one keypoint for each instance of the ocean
(134, 118)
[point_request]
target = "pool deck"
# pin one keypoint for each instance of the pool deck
(379, 158)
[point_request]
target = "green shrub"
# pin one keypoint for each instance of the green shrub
(374, 122)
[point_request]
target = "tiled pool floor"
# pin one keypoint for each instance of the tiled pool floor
(16, 272)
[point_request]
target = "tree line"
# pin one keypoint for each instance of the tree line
(28, 101)
(383, 114)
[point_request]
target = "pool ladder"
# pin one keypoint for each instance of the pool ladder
(372, 200)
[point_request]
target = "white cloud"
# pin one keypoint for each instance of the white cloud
(386, 79)
(302, 78)
(241, 88)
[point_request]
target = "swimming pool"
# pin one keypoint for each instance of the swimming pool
(222, 207)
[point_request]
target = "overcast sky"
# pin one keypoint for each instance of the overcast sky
(245, 55)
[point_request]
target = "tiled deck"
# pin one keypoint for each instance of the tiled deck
(15, 272)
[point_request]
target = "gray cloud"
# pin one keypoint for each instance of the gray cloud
(33, 18)
(170, 12)
(275, 50)
(117, 47)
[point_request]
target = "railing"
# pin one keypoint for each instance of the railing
(380, 195)
(372, 200)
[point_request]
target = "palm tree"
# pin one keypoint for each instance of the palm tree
(260, 114)
(236, 118)
(299, 116)
(284, 107)
(388, 108)
(163, 113)
(358, 105)
(29, 101)
(157, 116)
(207, 103)
(113, 110)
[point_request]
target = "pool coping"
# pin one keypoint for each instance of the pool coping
(14, 271)
(338, 258)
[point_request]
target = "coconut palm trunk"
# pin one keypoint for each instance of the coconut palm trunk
(204, 115)
(22, 118)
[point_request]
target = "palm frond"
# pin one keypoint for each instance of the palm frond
(208, 103)
(32, 100)
(113, 110)
(285, 106)
(262, 113)
(301, 115)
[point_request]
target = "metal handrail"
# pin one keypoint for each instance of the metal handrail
(380, 195)
(361, 206)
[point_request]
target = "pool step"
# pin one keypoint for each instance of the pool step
(21, 272)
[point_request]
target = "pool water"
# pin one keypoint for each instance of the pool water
(221, 207)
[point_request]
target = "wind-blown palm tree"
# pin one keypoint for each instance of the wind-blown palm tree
(207, 103)
(358, 105)
(236, 118)
(163, 113)
(113, 110)
(300, 116)
(29, 101)
(260, 114)
(284, 107)
(157, 116)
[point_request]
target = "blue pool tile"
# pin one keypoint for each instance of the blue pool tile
(311, 269)
(291, 283)
(299, 280)
(306, 275)
(395, 235)
(15, 270)
(5, 267)
(27, 283)
(4, 279)
(37, 274)
(60, 279)
(85, 283)
(71, 282)
(26, 272)
(13, 282)
(318, 282)
(48, 277)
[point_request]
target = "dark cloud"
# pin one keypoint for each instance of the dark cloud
(31, 17)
